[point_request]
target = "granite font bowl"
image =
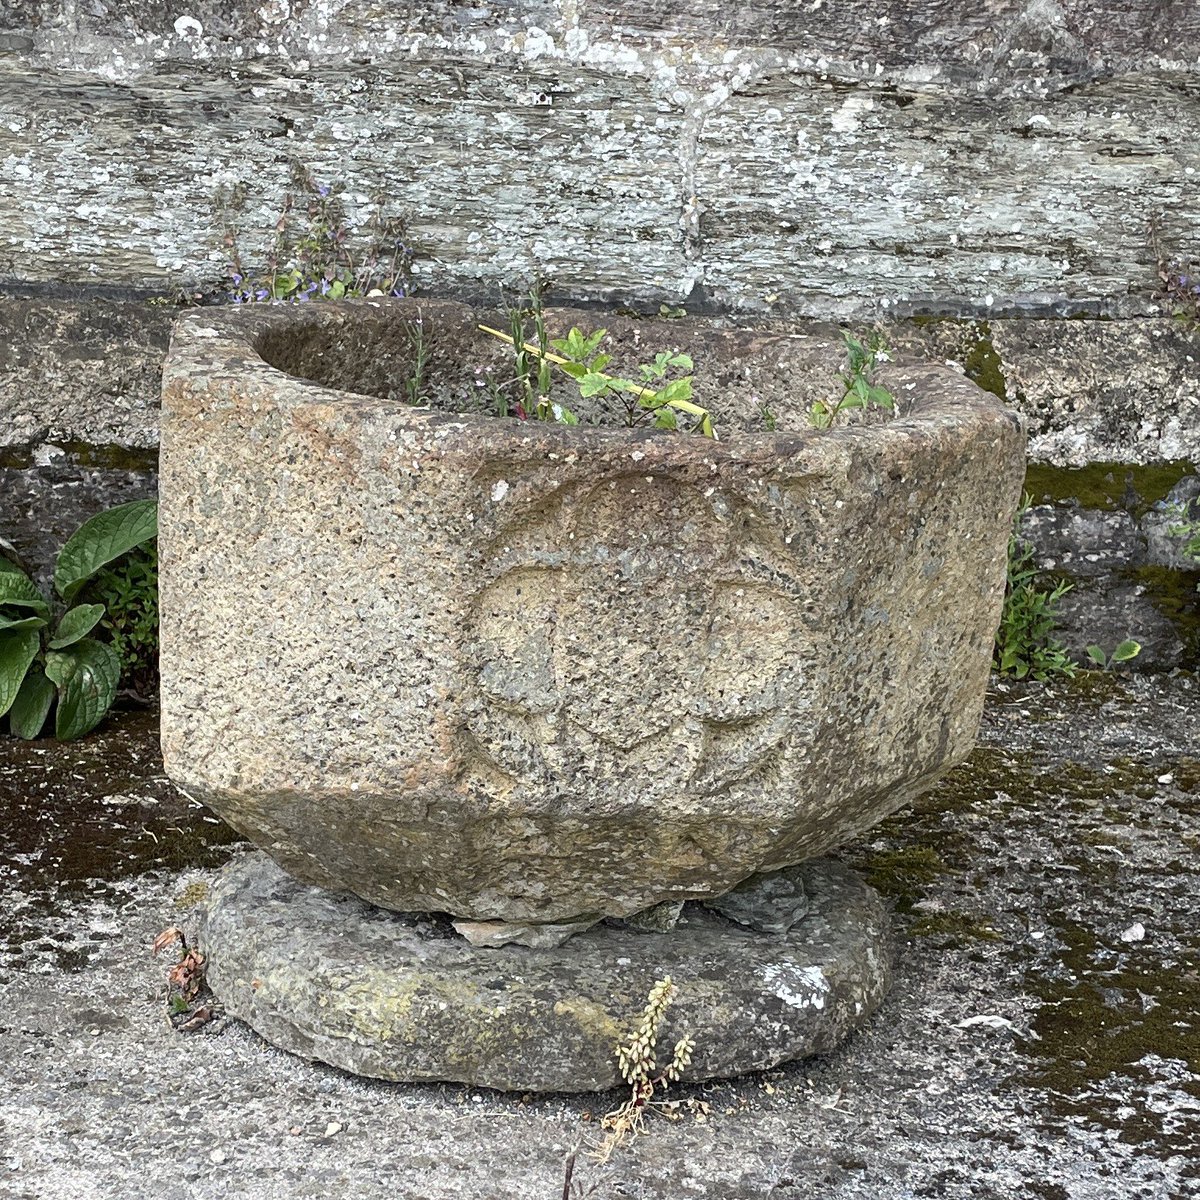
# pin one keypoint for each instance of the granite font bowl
(523, 671)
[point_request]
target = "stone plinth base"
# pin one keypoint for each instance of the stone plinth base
(403, 997)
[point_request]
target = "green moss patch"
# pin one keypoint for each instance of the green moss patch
(1106, 486)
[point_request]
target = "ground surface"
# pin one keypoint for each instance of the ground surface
(1041, 1039)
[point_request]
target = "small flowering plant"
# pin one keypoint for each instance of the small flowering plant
(862, 357)
(315, 255)
(640, 1070)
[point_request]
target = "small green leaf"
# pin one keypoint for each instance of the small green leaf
(86, 691)
(595, 385)
(683, 362)
(337, 290)
(76, 623)
(665, 419)
(1126, 650)
(18, 648)
(677, 389)
(32, 705)
(599, 362)
(98, 541)
(1097, 655)
(575, 369)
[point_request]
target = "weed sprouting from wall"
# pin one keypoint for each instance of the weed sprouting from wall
(315, 252)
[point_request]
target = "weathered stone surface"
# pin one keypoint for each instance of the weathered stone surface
(658, 918)
(81, 371)
(514, 933)
(783, 157)
(328, 977)
(1092, 391)
(1105, 611)
(1129, 576)
(519, 671)
(770, 903)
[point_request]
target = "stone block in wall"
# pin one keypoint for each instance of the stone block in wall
(81, 371)
(1108, 530)
(1093, 391)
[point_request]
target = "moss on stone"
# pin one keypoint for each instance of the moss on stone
(953, 927)
(81, 454)
(903, 872)
(1174, 594)
(1106, 486)
(981, 360)
(1094, 1022)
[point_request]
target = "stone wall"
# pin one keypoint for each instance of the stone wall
(781, 156)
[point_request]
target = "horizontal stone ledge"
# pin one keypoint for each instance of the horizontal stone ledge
(87, 372)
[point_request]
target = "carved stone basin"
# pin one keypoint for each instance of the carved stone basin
(515, 670)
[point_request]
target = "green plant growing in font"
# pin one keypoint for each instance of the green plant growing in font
(661, 396)
(861, 390)
(1024, 641)
(47, 659)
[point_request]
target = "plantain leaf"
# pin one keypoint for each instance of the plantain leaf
(98, 541)
(87, 689)
(32, 705)
(21, 622)
(1126, 650)
(76, 623)
(18, 648)
(18, 590)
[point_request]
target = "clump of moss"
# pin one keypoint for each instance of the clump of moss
(903, 874)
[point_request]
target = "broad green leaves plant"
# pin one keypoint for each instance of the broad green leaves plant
(858, 379)
(1025, 643)
(50, 662)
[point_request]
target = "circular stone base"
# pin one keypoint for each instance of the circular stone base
(403, 997)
